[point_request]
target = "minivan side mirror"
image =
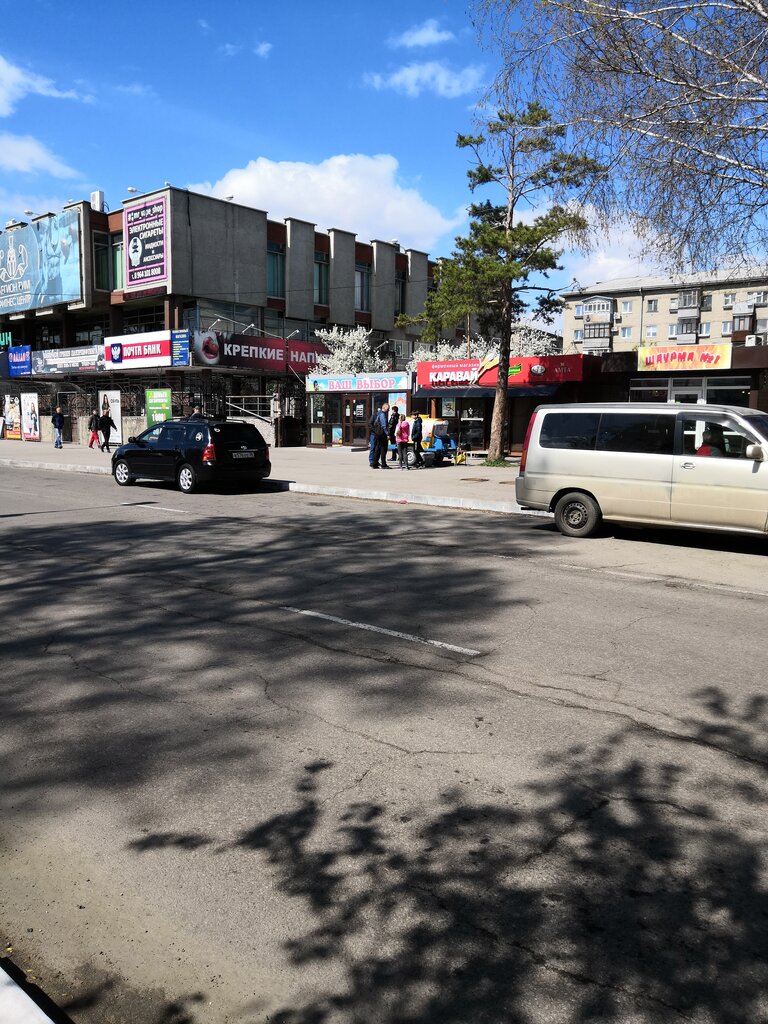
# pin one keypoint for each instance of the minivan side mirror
(755, 452)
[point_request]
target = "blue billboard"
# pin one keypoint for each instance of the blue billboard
(20, 360)
(40, 263)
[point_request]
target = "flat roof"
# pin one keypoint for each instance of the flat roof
(742, 275)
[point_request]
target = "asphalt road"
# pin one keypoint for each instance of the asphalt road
(534, 792)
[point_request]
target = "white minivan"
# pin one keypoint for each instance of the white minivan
(697, 466)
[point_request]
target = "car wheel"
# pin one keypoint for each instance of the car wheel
(123, 473)
(187, 479)
(577, 515)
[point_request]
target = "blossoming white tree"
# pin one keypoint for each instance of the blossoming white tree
(349, 351)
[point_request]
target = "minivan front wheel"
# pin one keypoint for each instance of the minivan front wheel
(187, 479)
(577, 515)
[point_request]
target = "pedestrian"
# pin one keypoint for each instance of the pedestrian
(372, 435)
(106, 426)
(394, 419)
(417, 430)
(197, 414)
(58, 425)
(401, 434)
(93, 426)
(379, 428)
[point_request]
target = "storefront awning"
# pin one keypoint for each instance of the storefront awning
(542, 390)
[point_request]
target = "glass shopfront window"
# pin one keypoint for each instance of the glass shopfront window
(325, 419)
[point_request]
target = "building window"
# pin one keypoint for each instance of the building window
(728, 299)
(117, 261)
(706, 303)
(688, 299)
(597, 331)
(578, 335)
(597, 306)
(653, 305)
(363, 287)
(578, 310)
(757, 298)
(101, 261)
(626, 332)
(400, 278)
(727, 328)
(626, 306)
(651, 332)
(321, 279)
(687, 326)
(672, 330)
(275, 270)
(742, 323)
(704, 330)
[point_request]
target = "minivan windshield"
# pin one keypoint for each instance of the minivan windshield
(759, 423)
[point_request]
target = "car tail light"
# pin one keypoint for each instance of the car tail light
(209, 453)
(524, 457)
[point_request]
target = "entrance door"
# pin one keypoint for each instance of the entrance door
(356, 412)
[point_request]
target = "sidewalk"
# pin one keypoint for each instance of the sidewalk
(338, 472)
(16, 1007)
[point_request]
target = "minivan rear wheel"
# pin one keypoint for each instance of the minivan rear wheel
(187, 478)
(577, 515)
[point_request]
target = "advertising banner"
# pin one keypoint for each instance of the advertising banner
(398, 381)
(12, 415)
(30, 423)
(157, 402)
(109, 403)
(523, 371)
(88, 359)
(20, 361)
(145, 233)
(134, 351)
(249, 352)
(179, 348)
(684, 357)
(40, 263)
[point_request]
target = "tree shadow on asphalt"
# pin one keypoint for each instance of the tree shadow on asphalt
(614, 890)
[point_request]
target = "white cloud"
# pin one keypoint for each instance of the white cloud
(203, 25)
(428, 34)
(27, 155)
(16, 83)
(135, 89)
(262, 49)
(352, 191)
(431, 76)
(12, 204)
(619, 254)
(230, 49)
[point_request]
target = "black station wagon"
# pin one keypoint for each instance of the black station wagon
(191, 453)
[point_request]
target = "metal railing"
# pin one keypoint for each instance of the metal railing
(258, 406)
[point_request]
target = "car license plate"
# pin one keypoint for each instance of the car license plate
(243, 455)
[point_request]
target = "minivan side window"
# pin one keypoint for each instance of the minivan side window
(570, 430)
(648, 433)
(708, 438)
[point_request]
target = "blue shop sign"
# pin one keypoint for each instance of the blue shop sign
(179, 348)
(20, 360)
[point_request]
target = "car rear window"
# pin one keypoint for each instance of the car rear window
(239, 433)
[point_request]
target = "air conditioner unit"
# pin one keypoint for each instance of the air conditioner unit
(617, 318)
(754, 339)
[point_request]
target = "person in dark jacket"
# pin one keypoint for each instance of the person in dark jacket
(379, 430)
(106, 426)
(417, 432)
(58, 425)
(93, 426)
(394, 419)
(197, 414)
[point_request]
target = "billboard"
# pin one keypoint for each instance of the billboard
(136, 351)
(157, 402)
(12, 415)
(248, 351)
(109, 405)
(20, 361)
(40, 263)
(684, 357)
(30, 422)
(145, 235)
(523, 371)
(87, 359)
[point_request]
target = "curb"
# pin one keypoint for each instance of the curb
(431, 500)
(16, 1006)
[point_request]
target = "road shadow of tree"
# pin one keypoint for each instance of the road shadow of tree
(618, 891)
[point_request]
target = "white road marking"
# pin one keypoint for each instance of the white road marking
(675, 581)
(156, 508)
(379, 629)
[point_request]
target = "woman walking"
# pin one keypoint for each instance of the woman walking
(402, 431)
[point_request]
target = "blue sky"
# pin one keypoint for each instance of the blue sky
(344, 114)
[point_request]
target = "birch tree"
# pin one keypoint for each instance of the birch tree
(673, 96)
(349, 351)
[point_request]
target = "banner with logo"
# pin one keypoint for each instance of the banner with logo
(12, 416)
(30, 422)
(145, 235)
(523, 371)
(109, 404)
(40, 263)
(135, 351)
(20, 361)
(246, 351)
(157, 403)
(87, 359)
(684, 357)
(361, 382)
